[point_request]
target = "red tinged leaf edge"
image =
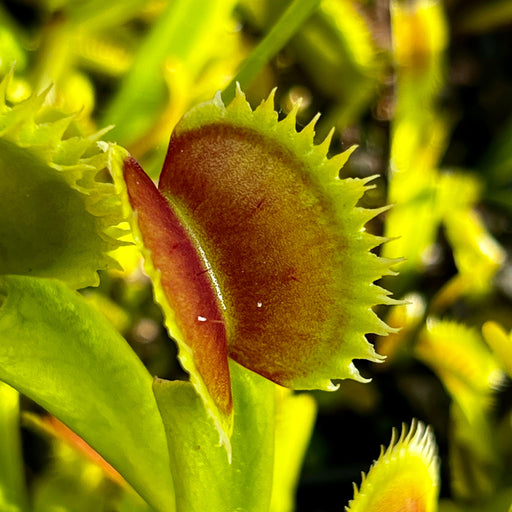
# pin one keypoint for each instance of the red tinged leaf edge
(187, 283)
(285, 239)
(257, 251)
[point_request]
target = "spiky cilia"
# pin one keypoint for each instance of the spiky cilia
(258, 251)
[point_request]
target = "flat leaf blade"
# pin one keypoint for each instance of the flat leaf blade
(65, 356)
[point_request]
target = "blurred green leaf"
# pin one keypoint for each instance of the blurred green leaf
(76, 478)
(184, 35)
(337, 49)
(500, 343)
(477, 255)
(474, 456)
(295, 417)
(499, 502)
(204, 478)
(13, 494)
(470, 374)
(297, 12)
(72, 484)
(96, 15)
(418, 132)
(68, 358)
(461, 359)
(485, 16)
(10, 50)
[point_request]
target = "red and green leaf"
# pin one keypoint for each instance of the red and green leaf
(258, 251)
(404, 478)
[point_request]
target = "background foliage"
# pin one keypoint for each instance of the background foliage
(427, 96)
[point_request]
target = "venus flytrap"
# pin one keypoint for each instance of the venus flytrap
(404, 478)
(439, 198)
(262, 267)
(471, 375)
(477, 255)
(249, 206)
(52, 186)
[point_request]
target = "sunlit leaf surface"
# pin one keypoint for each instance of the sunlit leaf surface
(206, 478)
(67, 357)
(58, 215)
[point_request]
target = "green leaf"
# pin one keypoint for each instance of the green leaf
(71, 483)
(13, 494)
(10, 48)
(58, 217)
(475, 455)
(404, 478)
(500, 343)
(131, 502)
(419, 131)
(464, 364)
(470, 374)
(67, 357)
(204, 478)
(295, 417)
(336, 41)
(77, 478)
(478, 256)
(185, 34)
(290, 22)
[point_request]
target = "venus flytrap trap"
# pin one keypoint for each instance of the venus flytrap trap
(249, 206)
(404, 478)
(52, 177)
